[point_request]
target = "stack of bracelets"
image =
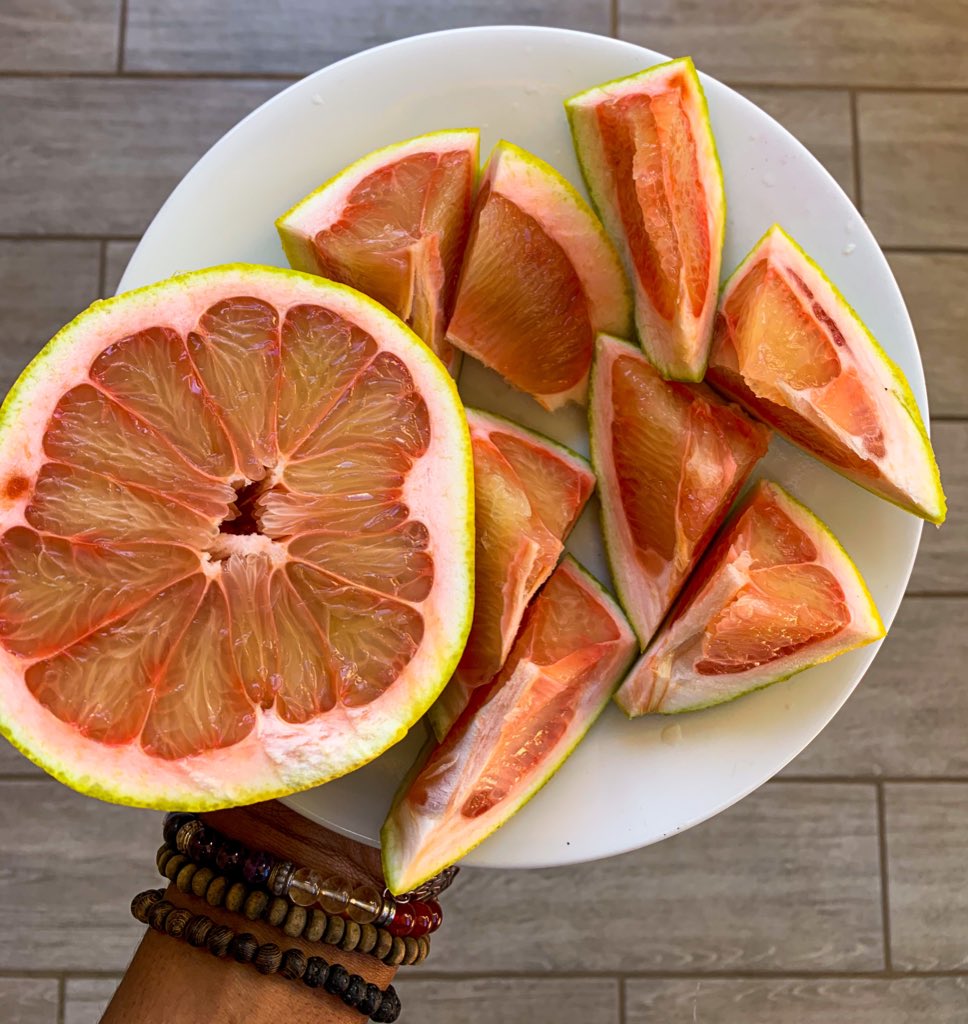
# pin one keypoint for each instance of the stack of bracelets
(297, 901)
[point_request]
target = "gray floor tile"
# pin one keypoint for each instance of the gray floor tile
(54, 35)
(786, 879)
(85, 999)
(28, 1000)
(927, 836)
(943, 559)
(812, 1001)
(297, 36)
(99, 156)
(118, 254)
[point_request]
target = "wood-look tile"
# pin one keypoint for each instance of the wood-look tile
(85, 999)
(942, 563)
(786, 879)
(820, 119)
(913, 164)
(295, 36)
(71, 866)
(935, 288)
(59, 35)
(99, 156)
(801, 1001)
(28, 1000)
(927, 836)
(895, 43)
(118, 254)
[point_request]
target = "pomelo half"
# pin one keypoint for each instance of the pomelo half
(394, 225)
(649, 159)
(572, 649)
(540, 279)
(236, 540)
(775, 594)
(790, 349)
(671, 458)
(528, 494)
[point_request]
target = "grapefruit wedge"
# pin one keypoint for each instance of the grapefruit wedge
(671, 458)
(573, 648)
(775, 594)
(649, 159)
(236, 540)
(540, 279)
(528, 494)
(790, 349)
(394, 225)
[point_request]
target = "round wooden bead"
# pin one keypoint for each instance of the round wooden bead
(351, 936)
(277, 910)
(295, 922)
(219, 939)
(316, 924)
(384, 942)
(410, 950)
(368, 937)
(372, 997)
(293, 964)
(201, 881)
(157, 914)
(317, 972)
(197, 929)
(397, 952)
(255, 904)
(334, 930)
(235, 897)
(355, 991)
(244, 947)
(176, 922)
(268, 957)
(184, 877)
(143, 902)
(337, 980)
(215, 893)
(175, 863)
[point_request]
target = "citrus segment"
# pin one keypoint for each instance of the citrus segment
(649, 160)
(671, 458)
(573, 647)
(539, 276)
(251, 583)
(774, 595)
(394, 225)
(790, 349)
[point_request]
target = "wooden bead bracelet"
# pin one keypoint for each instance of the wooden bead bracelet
(381, 1005)
(314, 925)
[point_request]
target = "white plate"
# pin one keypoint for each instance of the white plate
(629, 783)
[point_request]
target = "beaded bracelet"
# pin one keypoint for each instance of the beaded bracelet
(293, 920)
(150, 907)
(413, 914)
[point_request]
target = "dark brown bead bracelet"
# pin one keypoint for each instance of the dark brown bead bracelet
(294, 921)
(380, 1005)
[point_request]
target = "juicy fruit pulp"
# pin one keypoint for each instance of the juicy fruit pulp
(539, 279)
(774, 595)
(394, 225)
(649, 159)
(789, 348)
(528, 495)
(671, 457)
(219, 542)
(573, 647)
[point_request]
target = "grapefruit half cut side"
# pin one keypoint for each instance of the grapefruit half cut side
(671, 458)
(790, 349)
(540, 279)
(516, 732)
(236, 540)
(528, 494)
(648, 155)
(775, 594)
(394, 225)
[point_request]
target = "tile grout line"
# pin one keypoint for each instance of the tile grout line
(122, 34)
(885, 891)
(855, 146)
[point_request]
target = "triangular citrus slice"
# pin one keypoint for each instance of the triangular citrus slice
(671, 458)
(394, 225)
(649, 159)
(774, 595)
(572, 649)
(540, 279)
(529, 493)
(789, 348)
(235, 540)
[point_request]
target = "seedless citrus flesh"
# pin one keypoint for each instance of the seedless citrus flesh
(236, 548)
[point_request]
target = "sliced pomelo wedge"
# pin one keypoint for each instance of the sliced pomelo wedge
(540, 279)
(394, 225)
(573, 647)
(671, 458)
(775, 594)
(236, 540)
(529, 493)
(789, 348)
(649, 159)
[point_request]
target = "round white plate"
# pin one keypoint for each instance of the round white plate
(629, 783)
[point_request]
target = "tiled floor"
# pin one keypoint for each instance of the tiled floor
(838, 893)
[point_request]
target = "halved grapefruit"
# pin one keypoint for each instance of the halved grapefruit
(540, 279)
(775, 594)
(528, 494)
(790, 349)
(649, 159)
(671, 458)
(236, 540)
(394, 225)
(573, 648)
